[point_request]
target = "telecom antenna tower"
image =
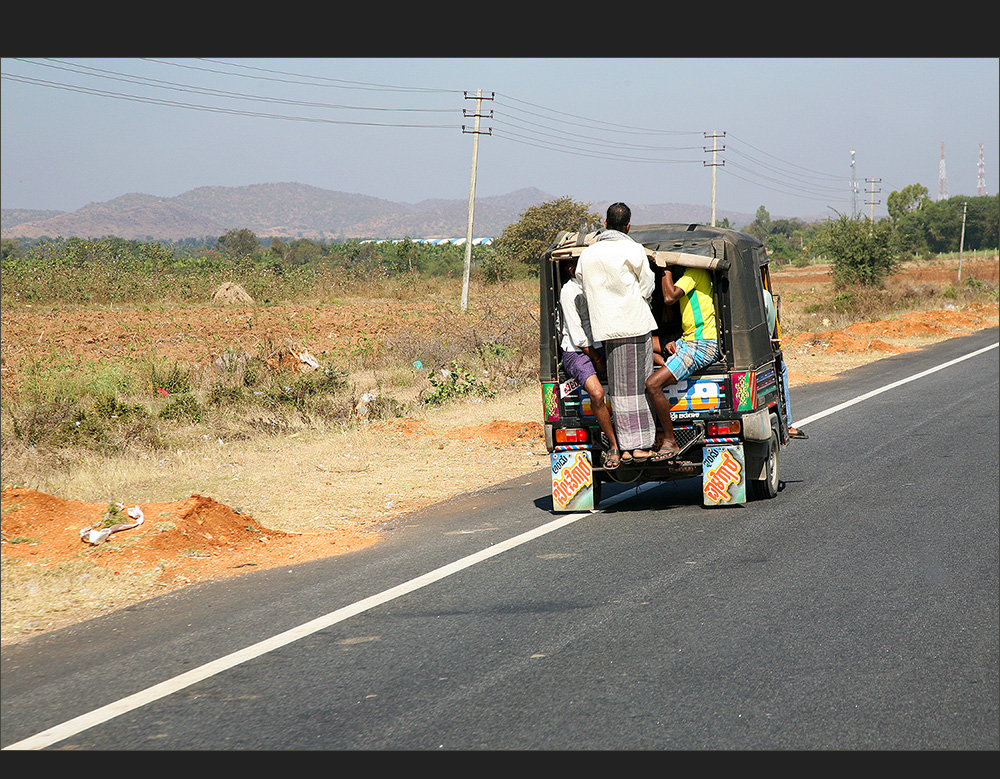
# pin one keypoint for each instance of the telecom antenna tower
(942, 178)
(981, 178)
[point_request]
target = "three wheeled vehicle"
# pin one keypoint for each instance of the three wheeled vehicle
(729, 419)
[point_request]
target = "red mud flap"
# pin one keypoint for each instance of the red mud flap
(572, 481)
(723, 475)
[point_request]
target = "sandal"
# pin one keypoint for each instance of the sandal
(637, 459)
(794, 432)
(612, 459)
(665, 454)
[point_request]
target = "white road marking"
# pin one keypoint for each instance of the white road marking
(887, 387)
(163, 689)
(170, 686)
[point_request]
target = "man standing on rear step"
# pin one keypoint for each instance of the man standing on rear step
(697, 347)
(618, 284)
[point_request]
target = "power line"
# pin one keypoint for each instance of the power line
(159, 83)
(611, 126)
(592, 140)
(213, 109)
(792, 185)
(517, 121)
(797, 184)
(326, 80)
(173, 86)
(783, 191)
(799, 168)
(576, 151)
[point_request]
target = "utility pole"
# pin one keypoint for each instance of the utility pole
(981, 175)
(961, 242)
(472, 191)
(714, 164)
(942, 178)
(854, 188)
(872, 202)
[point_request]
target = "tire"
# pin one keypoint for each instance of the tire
(767, 488)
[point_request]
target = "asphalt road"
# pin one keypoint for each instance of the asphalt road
(858, 610)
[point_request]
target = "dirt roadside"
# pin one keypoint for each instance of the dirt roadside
(346, 487)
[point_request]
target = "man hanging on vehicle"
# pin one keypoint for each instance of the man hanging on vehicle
(697, 347)
(583, 358)
(772, 327)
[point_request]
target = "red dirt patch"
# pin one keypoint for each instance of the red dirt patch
(869, 336)
(500, 433)
(189, 540)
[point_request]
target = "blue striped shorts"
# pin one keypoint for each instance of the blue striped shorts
(691, 356)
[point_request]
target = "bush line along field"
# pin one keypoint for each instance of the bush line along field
(137, 373)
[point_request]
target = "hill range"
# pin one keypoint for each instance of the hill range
(290, 210)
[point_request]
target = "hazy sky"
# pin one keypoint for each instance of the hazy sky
(76, 131)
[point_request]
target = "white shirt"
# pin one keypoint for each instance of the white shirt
(618, 283)
(576, 331)
(769, 309)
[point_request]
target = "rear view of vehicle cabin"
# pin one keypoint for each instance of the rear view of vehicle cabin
(729, 418)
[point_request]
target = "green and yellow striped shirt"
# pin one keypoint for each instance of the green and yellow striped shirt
(697, 306)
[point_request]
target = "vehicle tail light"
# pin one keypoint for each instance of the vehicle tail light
(724, 427)
(571, 435)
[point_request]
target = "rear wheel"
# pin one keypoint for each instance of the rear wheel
(767, 487)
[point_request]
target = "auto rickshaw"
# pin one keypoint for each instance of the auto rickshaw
(729, 419)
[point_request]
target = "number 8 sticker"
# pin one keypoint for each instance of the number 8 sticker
(697, 396)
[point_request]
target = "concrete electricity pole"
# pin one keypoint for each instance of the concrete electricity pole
(854, 188)
(981, 175)
(872, 202)
(714, 164)
(472, 193)
(942, 177)
(961, 243)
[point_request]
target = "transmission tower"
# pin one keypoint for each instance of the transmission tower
(942, 178)
(981, 178)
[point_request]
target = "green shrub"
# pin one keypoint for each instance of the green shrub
(222, 394)
(182, 408)
(174, 379)
(455, 382)
(863, 253)
(297, 391)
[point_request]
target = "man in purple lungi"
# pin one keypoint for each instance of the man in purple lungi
(618, 283)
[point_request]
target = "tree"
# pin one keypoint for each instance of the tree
(10, 249)
(908, 212)
(785, 239)
(526, 240)
(943, 223)
(240, 244)
(907, 200)
(760, 227)
(862, 252)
